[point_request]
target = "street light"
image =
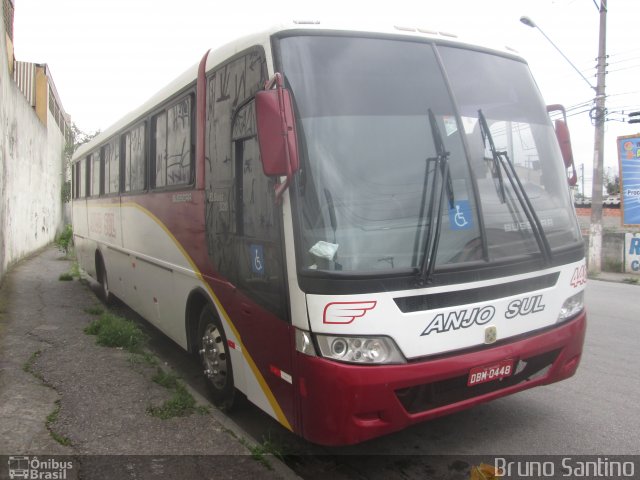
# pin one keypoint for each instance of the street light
(598, 116)
(530, 23)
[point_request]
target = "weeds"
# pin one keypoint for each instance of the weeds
(28, 366)
(143, 358)
(181, 404)
(53, 418)
(95, 310)
(164, 379)
(114, 331)
(71, 274)
(631, 280)
(258, 453)
(75, 270)
(64, 242)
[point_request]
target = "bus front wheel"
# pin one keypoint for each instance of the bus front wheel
(215, 358)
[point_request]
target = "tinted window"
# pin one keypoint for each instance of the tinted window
(111, 155)
(134, 159)
(172, 145)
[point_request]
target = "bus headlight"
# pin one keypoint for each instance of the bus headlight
(367, 350)
(571, 307)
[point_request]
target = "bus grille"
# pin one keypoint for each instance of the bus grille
(433, 301)
(422, 398)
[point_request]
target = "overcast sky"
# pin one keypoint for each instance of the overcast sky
(109, 56)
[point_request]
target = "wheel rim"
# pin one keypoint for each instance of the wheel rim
(214, 357)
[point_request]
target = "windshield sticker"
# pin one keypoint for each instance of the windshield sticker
(450, 125)
(460, 217)
(256, 254)
(516, 227)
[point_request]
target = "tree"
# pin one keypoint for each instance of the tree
(612, 183)
(76, 138)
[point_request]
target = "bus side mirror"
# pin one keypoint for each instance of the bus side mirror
(564, 140)
(277, 137)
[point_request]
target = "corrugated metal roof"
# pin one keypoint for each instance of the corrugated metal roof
(24, 74)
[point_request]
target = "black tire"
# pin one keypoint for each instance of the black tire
(216, 361)
(103, 280)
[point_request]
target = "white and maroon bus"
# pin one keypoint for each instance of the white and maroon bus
(358, 230)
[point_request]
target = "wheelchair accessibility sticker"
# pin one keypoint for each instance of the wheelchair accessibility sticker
(256, 258)
(460, 216)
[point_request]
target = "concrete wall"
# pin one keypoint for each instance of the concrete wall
(31, 172)
(613, 258)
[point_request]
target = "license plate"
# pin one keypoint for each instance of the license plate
(489, 373)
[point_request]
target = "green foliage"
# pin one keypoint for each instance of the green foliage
(65, 277)
(181, 404)
(612, 265)
(114, 331)
(144, 359)
(164, 379)
(612, 183)
(53, 418)
(64, 242)
(65, 192)
(28, 365)
(95, 310)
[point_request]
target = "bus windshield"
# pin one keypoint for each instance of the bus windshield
(368, 150)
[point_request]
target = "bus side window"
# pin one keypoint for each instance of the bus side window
(95, 168)
(111, 155)
(134, 160)
(172, 145)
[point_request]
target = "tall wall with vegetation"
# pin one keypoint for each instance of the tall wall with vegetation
(31, 171)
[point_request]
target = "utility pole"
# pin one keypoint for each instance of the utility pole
(598, 114)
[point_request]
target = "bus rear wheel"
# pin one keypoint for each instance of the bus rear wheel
(215, 358)
(106, 294)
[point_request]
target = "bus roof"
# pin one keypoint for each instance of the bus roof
(220, 54)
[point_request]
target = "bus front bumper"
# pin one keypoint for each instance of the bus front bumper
(345, 404)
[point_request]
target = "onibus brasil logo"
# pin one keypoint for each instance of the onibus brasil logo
(34, 469)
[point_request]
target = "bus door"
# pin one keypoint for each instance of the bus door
(244, 230)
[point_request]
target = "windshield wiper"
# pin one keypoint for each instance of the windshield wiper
(501, 161)
(429, 245)
(496, 172)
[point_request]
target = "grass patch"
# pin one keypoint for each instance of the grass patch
(181, 403)
(64, 242)
(28, 366)
(114, 331)
(631, 280)
(95, 310)
(71, 274)
(143, 358)
(75, 270)
(258, 453)
(166, 380)
(53, 418)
